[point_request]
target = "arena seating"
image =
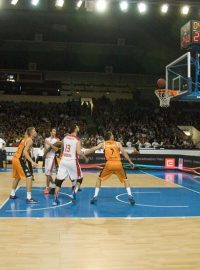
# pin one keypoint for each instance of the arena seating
(146, 126)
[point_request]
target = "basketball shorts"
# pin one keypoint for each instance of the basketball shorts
(20, 169)
(113, 167)
(69, 169)
(49, 166)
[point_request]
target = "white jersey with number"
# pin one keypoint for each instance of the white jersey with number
(50, 140)
(70, 145)
(69, 165)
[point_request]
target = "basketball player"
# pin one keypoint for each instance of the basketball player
(20, 169)
(50, 159)
(69, 165)
(59, 145)
(113, 164)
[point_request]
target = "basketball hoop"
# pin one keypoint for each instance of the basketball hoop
(165, 95)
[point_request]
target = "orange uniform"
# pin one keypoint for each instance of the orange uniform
(20, 168)
(113, 162)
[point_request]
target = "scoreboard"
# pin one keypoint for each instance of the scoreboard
(190, 34)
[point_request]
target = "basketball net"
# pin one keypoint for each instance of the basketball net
(164, 96)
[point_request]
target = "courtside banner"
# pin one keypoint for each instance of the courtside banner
(170, 163)
(153, 161)
(159, 160)
(11, 150)
(150, 158)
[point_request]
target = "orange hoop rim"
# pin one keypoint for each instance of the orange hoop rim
(171, 92)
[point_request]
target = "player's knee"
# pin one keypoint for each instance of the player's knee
(58, 183)
(126, 182)
(80, 181)
(98, 183)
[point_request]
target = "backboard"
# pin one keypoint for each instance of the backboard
(183, 75)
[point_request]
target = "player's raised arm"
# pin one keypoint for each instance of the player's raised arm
(56, 145)
(46, 143)
(79, 152)
(61, 147)
(93, 149)
(26, 152)
(125, 154)
(46, 148)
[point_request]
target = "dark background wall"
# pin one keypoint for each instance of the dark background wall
(77, 40)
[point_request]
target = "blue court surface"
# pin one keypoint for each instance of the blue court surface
(181, 201)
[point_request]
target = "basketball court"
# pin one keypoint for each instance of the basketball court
(162, 229)
(112, 234)
(157, 194)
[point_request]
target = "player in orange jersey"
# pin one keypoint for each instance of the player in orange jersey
(20, 169)
(113, 164)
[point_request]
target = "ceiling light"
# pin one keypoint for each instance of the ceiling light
(185, 10)
(35, 2)
(101, 5)
(142, 7)
(164, 8)
(79, 3)
(123, 6)
(14, 2)
(59, 3)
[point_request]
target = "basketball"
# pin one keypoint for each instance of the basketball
(161, 83)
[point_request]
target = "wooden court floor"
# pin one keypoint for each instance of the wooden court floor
(98, 244)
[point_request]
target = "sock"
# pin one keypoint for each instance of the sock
(12, 192)
(129, 191)
(56, 195)
(96, 192)
(73, 183)
(76, 189)
(28, 195)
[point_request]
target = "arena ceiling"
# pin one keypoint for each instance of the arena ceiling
(79, 40)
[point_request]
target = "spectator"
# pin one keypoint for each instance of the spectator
(2, 156)
(147, 144)
(129, 144)
(155, 144)
(130, 122)
(40, 154)
(2, 142)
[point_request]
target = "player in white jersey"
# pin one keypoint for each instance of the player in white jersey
(69, 166)
(50, 159)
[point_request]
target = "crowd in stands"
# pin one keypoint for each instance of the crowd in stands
(16, 117)
(132, 125)
(146, 127)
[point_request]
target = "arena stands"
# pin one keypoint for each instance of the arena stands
(146, 126)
